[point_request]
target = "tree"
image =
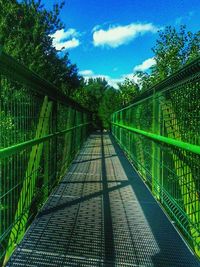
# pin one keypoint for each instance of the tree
(173, 49)
(25, 30)
(128, 91)
(100, 98)
(145, 80)
(110, 103)
(91, 93)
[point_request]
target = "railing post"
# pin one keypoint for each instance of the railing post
(27, 191)
(184, 173)
(140, 148)
(156, 154)
(67, 145)
(74, 134)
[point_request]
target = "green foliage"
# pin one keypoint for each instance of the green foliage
(25, 30)
(128, 91)
(174, 48)
(94, 91)
(100, 98)
(146, 80)
(110, 103)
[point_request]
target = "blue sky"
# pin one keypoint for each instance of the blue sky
(113, 39)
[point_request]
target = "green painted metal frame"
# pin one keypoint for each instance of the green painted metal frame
(8, 151)
(41, 132)
(166, 140)
(160, 134)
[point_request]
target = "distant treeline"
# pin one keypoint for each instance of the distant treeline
(25, 34)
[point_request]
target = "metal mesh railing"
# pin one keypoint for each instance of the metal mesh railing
(41, 131)
(160, 133)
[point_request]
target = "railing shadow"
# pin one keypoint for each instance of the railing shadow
(108, 227)
(81, 199)
(89, 160)
(108, 239)
(170, 254)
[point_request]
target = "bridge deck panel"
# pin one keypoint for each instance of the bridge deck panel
(102, 214)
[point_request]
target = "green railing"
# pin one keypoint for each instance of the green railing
(41, 130)
(160, 133)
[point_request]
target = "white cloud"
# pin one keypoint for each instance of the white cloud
(119, 35)
(131, 76)
(63, 40)
(62, 34)
(111, 81)
(86, 72)
(67, 44)
(148, 63)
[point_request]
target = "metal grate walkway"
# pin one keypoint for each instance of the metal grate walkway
(101, 214)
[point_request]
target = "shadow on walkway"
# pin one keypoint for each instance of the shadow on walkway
(173, 251)
(99, 202)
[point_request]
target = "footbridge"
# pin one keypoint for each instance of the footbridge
(70, 196)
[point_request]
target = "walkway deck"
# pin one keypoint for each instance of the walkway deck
(101, 214)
